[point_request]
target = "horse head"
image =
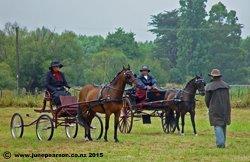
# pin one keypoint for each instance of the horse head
(129, 76)
(200, 84)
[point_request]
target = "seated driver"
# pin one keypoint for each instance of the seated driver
(145, 82)
(55, 82)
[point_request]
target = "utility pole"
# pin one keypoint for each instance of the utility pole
(17, 59)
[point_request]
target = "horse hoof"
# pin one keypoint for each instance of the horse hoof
(116, 140)
(86, 139)
(196, 134)
(182, 134)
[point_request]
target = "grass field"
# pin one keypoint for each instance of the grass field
(145, 143)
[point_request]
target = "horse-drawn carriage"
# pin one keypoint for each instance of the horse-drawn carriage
(169, 105)
(110, 99)
(153, 106)
(52, 117)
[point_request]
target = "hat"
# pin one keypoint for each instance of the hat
(215, 73)
(144, 68)
(55, 63)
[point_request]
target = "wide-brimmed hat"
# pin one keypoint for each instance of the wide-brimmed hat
(215, 73)
(55, 63)
(144, 68)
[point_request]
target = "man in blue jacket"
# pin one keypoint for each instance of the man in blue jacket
(145, 82)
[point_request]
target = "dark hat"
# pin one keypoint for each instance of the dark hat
(144, 68)
(215, 73)
(55, 63)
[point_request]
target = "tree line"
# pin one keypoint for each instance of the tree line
(188, 41)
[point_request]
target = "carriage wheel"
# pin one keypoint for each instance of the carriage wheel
(71, 130)
(126, 117)
(16, 126)
(44, 128)
(96, 129)
(168, 121)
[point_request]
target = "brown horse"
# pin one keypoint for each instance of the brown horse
(109, 100)
(184, 101)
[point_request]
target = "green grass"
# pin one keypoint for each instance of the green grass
(145, 143)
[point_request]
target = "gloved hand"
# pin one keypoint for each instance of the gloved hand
(59, 88)
(149, 87)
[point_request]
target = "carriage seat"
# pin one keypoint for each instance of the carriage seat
(67, 100)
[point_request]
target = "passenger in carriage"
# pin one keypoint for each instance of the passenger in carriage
(55, 82)
(145, 82)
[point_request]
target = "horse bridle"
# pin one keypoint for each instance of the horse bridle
(121, 90)
(131, 79)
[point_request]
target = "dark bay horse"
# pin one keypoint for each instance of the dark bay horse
(184, 101)
(110, 100)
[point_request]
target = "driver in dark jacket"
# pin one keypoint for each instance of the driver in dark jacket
(55, 82)
(145, 82)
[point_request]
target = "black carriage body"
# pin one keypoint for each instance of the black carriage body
(155, 96)
(153, 106)
(154, 100)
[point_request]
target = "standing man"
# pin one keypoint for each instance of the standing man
(218, 102)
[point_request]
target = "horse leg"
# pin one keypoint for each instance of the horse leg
(87, 132)
(82, 120)
(106, 126)
(171, 120)
(91, 116)
(168, 120)
(116, 122)
(192, 116)
(182, 122)
(177, 122)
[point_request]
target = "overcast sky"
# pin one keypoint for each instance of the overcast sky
(98, 17)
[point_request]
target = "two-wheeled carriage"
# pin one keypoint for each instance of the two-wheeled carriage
(52, 117)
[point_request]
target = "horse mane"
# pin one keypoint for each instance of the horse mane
(116, 76)
(189, 82)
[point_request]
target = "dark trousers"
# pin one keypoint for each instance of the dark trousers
(56, 96)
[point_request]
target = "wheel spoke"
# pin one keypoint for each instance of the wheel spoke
(44, 128)
(16, 126)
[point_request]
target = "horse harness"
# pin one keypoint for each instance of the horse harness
(179, 98)
(101, 100)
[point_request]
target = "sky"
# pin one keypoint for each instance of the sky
(98, 17)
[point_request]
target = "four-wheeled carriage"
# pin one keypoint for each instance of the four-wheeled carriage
(53, 117)
(153, 106)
